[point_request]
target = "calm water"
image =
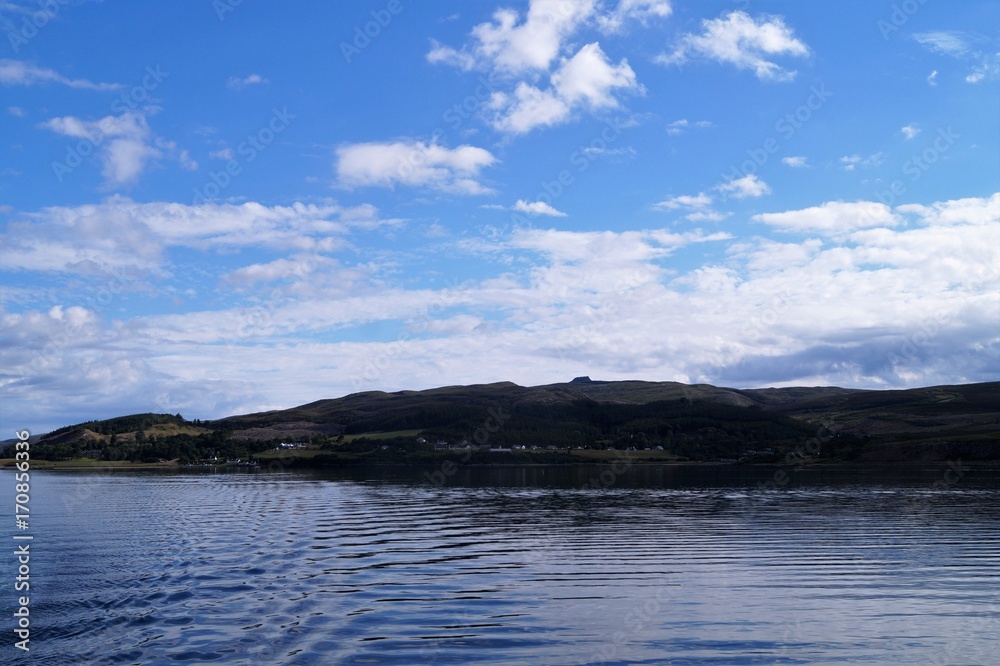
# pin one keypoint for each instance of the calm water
(512, 566)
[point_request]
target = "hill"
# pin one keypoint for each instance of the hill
(668, 420)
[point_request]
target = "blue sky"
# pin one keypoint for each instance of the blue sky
(222, 207)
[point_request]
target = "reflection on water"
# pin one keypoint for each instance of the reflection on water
(533, 565)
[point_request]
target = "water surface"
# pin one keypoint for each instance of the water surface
(534, 565)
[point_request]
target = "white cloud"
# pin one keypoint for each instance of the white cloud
(700, 200)
(222, 154)
(626, 152)
(962, 46)
(878, 307)
(744, 42)
(17, 72)
(698, 207)
(678, 127)
(795, 161)
(587, 80)
(946, 42)
(238, 83)
(536, 208)
(634, 10)
(745, 187)
(988, 68)
(910, 131)
(15, 111)
(413, 163)
(511, 45)
(850, 162)
(125, 143)
(972, 211)
(526, 109)
(833, 217)
(521, 53)
(120, 235)
(607, 249)
(307, 275)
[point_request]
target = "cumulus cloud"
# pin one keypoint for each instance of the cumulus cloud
(512, 45)
(795, 161)
(521, 52)
(745, 187)
(413, 163)
(587, 80)
(17, 72)
(833, 217)
(66, 363)
(970, 211)
(536, 208)
(742, 41)
(910, 131)
(125, 144)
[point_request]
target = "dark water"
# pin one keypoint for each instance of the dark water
(511, 566)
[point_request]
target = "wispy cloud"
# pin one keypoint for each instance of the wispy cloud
(682, 125)
(239, 83)
(697, 208)
(850, 162)
(962, 46)
(18, 72)
(946, 42)
(987, 69)
(738, 39)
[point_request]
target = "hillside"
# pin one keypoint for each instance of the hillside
(693, 422)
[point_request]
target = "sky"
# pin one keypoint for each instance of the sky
(216, 207)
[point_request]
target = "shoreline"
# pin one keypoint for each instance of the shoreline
(55, 466)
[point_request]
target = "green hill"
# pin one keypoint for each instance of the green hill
(663, 419)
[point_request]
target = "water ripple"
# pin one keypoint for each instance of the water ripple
(301, 569)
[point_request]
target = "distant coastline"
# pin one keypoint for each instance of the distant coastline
(579, 422)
